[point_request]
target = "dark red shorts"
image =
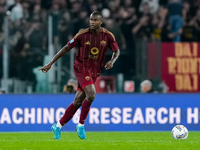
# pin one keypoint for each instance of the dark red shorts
(83, 77)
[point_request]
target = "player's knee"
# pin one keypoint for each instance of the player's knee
(91, 96)
(78, 102)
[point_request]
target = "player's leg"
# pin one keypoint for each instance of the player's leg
(86, 82)
(69, 113)
(73, 107)
(90, 93)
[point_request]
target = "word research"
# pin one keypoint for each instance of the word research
(104, 115)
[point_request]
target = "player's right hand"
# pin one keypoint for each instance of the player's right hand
(45, 68)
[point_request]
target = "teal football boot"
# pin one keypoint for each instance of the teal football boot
(81, 132)
(56, 131)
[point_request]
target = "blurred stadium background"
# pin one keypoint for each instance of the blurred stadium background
(32, 31)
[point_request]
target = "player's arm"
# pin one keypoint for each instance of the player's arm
(110, 63)
(116, 52)
(60, 53)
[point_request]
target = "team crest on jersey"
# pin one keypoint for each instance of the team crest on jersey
(87, 78)
(72, 40)
(87, 43)
(103, 43)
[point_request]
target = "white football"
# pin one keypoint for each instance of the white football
(179, 132)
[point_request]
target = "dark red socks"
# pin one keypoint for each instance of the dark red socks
(84, 111)
(69, 113)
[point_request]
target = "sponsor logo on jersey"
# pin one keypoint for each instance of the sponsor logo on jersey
(87, 43)
(72, 40)
(87, 78)
(103, 43)
(94, 53)
(94, 50)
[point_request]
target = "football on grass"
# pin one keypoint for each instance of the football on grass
(179, 132)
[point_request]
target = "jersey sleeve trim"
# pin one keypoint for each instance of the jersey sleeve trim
(81, 32)
(110, 33)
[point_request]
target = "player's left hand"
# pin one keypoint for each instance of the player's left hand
(109, 65)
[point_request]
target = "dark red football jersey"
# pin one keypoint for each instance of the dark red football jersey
(92, 49)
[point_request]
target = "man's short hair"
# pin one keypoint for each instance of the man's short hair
(96, 13)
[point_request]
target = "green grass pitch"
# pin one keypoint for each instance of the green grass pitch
(98, 141)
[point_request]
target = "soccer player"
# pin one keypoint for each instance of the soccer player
(93, 43)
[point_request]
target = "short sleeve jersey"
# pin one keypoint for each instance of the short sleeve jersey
(92, 49)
